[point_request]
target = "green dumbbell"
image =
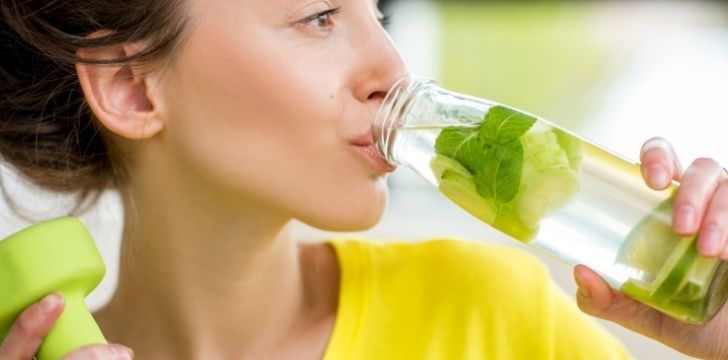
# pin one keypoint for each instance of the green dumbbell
(53, 256)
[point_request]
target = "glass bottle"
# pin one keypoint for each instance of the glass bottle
(553, 190)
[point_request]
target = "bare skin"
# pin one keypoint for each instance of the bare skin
(252, 140)
(254, 123)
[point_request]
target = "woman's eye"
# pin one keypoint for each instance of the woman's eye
(321, 21)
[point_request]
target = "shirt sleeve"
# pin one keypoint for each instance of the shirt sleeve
(577, 335)
(526, 314)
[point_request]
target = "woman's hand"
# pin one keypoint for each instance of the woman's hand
(700, 207)
(26, 335)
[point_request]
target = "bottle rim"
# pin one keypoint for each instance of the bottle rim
(392, 112)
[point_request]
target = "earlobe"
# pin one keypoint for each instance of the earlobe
(120, 95)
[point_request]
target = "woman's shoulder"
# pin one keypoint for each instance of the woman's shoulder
(456, 294)
(442, 267)
(441, 254)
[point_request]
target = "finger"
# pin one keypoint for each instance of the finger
(596, 298)
(101, 352)
(698, 185)
(26, 334)
(659, 164)
(714, 229)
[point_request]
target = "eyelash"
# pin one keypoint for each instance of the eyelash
(325, 16)
(385, 21)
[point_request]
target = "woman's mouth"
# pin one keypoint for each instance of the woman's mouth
(374, 158)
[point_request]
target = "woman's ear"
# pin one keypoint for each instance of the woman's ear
(122, 97)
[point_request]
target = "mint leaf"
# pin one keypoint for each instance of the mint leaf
(502, 125)
(463, 145)
(500, 176)
(493, 152)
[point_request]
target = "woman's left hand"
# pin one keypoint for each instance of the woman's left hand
(700, 207)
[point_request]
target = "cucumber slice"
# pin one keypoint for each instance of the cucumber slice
(572, 148)
(546, 193)
(542, 151)
(548, 182)
(460, 189)
(511, 224)
(441, 163)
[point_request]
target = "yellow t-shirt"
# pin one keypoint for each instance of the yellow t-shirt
(449, 299)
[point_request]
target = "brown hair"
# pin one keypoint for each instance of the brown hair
(47, 131)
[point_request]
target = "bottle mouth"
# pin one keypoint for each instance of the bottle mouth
(392, 113)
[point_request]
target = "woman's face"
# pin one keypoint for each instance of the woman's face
(272, 101)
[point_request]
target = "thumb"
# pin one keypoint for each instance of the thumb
(595, 297)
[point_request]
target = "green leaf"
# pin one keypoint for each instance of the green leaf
(463, 145)
(502, 125)
(500, 176)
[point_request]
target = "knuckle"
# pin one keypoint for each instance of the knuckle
(717, 215)
(719, 205)
(584, 304)
(28, 323)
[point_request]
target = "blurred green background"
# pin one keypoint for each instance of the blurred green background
(614, 72)
(532, 56)
(593, 67)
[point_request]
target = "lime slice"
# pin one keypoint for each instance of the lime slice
(674, 273)
(671, 278)
(697, 284)
(665, 260)
(690, 292)
(636, 289)
(650, 243)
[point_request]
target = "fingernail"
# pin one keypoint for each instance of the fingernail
(120, 352)
(49, 303)
(658, 176)
(685, 219)
(710, 239)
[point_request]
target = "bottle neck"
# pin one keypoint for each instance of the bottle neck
(392, 114)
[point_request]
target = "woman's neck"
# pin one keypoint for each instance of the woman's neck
(201, 280)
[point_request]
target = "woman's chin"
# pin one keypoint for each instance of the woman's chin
(348, 223)
(349, 220)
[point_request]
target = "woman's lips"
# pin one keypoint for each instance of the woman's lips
(374, 158)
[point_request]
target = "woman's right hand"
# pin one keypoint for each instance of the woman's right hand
(26, 335)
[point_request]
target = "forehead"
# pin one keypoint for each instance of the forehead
(270, 6)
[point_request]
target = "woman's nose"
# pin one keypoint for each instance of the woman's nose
(381, 66)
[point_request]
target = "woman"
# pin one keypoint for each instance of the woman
(221, 121)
